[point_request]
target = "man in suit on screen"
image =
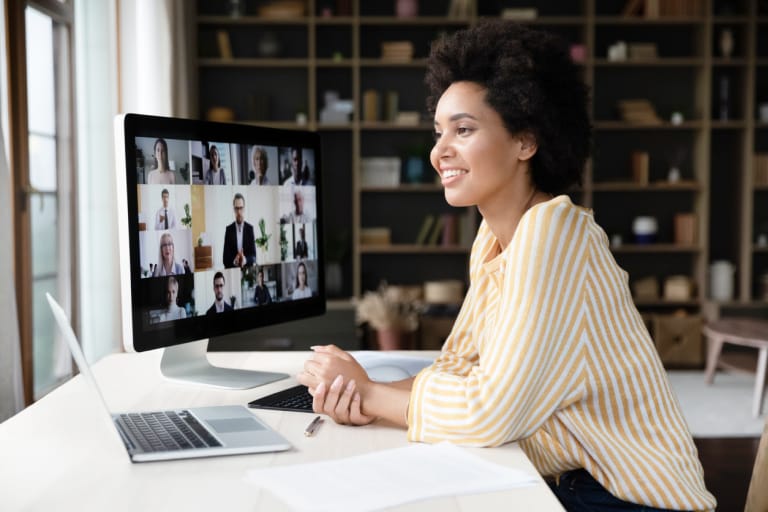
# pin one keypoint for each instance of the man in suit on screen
(239, 240)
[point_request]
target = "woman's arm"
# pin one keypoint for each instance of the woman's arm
(526, 323)
(341, 389)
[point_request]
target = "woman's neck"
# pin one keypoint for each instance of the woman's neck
(505, 225)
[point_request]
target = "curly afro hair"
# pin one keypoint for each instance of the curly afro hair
(531, 82)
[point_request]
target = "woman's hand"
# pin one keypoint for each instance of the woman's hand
(343, 406)
(326, 375)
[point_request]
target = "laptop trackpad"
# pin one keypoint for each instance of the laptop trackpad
(230, 425)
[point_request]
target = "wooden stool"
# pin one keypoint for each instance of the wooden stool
(747, 332)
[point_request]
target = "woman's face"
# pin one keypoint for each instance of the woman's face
(259, 163)
(215, 158)
(474, 154)
(172, 293)
(161, 154)
(166, 249)
(302, 273)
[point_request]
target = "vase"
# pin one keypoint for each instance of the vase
(406, 8)
(726, 43)
(390, 339)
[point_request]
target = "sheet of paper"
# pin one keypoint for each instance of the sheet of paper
(387, 478)
(411, 364)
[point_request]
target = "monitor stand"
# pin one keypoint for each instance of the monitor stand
(188, 362)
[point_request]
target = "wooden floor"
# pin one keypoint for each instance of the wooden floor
(728, 462)
(727, 466)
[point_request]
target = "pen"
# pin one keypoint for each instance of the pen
(312, 427)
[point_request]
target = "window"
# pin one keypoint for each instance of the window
(42, 165)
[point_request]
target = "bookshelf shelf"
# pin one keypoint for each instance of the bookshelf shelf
(412, 249)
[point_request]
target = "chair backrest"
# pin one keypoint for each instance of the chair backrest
(757, 496)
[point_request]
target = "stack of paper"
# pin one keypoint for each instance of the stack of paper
(387, 478)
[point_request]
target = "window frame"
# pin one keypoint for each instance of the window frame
(61, 12)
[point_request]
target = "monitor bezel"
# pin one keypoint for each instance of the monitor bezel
(138, 336)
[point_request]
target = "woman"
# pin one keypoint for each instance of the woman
(162, 173)
(172, 311)
(215, 175)
(166, 263)
(260, 162)
(548, 348)
(302, 290)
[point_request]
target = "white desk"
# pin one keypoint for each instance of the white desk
(62, 454)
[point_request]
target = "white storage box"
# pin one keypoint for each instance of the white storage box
(381, 172)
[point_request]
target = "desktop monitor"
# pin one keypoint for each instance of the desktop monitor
(220, 231)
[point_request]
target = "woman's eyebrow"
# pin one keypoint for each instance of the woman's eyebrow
(456, 117)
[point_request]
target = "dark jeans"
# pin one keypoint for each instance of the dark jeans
(579, 492)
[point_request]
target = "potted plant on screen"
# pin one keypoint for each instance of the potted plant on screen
(262, 241)
(186, 220)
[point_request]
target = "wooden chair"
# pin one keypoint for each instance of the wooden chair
(757, 495)
(746, 332)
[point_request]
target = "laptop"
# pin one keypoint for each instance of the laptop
(178, 433)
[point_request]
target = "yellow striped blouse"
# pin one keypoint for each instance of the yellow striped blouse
(550, 350)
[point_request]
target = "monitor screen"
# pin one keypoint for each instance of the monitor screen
(220, 229)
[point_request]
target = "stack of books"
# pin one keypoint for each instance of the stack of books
(639, 111)
(399, 51)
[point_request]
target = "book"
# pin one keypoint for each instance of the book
(640, 167)
(225, 46)
(450, 232)
(437, 230)
(424, 230)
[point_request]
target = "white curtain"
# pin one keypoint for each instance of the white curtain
(11, 394)
(149, 66)
(155, 66)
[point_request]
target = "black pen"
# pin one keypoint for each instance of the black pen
(312, 427)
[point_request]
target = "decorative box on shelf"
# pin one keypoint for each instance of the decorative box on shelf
(678, 339)
(376, 236)
(381, 171)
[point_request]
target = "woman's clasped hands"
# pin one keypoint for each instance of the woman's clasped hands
(337, 383)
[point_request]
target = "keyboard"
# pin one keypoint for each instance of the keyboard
(296, 398)
(165, 431)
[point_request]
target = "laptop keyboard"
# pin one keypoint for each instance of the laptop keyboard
(296, 398)
(164, 431)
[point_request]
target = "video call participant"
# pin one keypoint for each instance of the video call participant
(219, 304)
(166, 263)
(261, 294)
(301, 250)
(297, 215)
(299, 170)
(162, 173)
(215, 175)
(239, 239)
(172, 310)
(302, 290)
(548, 349)
(260, 162)
(165, 218)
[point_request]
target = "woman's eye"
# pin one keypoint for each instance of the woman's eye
(463, 130)
(436, 135)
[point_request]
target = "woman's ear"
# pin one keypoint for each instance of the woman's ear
(528, 146)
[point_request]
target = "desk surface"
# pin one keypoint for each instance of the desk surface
(61, 453)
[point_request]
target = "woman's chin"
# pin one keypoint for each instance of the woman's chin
(456, 200)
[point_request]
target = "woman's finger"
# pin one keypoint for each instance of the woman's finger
(342, 406)
(332, 397)
(318, 399)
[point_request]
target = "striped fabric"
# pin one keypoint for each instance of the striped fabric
(549, 350)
